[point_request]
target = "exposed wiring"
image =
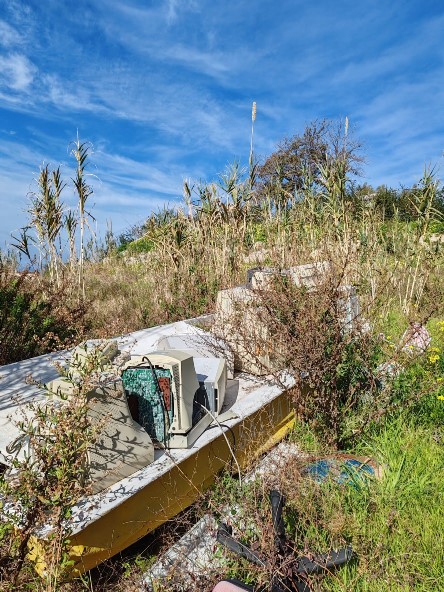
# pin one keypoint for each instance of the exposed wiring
(166, 417)
(214, 418)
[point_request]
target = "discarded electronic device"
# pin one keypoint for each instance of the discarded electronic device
(296, 569)
(165, 399)
(256, 413)
(208, 347)
(173, 395)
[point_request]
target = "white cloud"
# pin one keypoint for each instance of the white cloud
(171, 10)
(126, 174)
(178, 77)
(8, 35)
(210, 63)
(175, 6)
(125, 190)
(16, 72)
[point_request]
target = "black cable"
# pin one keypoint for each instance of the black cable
(159, 393)
(166, 417)
(165, 411)
(224, 425)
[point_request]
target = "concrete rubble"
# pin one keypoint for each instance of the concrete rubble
(195, 554)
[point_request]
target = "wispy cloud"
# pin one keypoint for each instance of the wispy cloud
(124, 189)
(130, 175)
(8, 35)
(16, 72)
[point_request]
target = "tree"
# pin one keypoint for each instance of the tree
(300, 163)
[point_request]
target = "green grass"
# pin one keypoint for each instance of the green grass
(396, 525)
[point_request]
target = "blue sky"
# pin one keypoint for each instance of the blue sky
(163, 90)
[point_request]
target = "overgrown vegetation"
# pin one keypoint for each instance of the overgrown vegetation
(302, 204)
(48, 474)
(393, 520)
(35, 316)
(393, 524)
(362, 389)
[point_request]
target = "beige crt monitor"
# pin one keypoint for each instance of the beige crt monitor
(199, 346)
(190, 416)
(184, 385)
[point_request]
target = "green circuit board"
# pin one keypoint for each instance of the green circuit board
(150, 399)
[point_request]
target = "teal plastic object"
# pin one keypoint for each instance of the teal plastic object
(153, 415)
(343, 471)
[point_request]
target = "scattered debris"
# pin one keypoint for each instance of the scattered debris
(293, 570)
(194, 555)
(343, 469)
(416, 339)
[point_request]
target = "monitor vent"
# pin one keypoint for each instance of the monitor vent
(176, 378)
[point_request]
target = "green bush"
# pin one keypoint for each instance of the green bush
(142, 245)
(33, 320)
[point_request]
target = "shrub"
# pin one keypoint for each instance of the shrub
(48, 474)
(34, 318)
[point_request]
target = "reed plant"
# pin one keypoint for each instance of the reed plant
(302, 204)
(193, 255)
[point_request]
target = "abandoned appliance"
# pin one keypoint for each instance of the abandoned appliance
(164, 399)
(157, 389)
(174, 396)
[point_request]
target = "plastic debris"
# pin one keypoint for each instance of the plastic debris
(345, 470)
(416, 339)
